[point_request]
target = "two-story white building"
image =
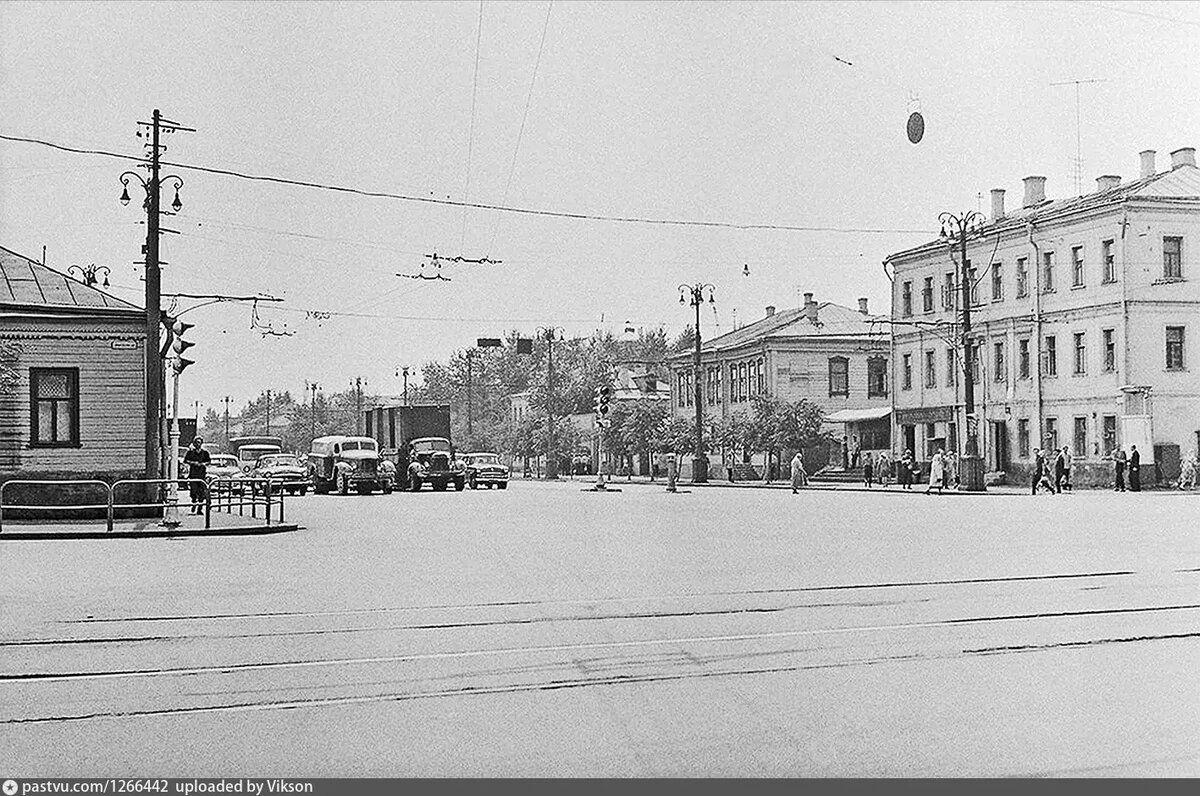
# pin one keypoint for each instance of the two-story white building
(1083, 311)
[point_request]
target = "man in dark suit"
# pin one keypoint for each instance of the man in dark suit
(1119, 462)
(1135, 470)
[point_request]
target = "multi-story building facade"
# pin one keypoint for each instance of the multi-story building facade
(826, 353)
(1083, 311)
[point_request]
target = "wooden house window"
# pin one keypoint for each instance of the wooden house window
(54, 407)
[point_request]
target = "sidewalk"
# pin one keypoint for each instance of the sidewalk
(1003, 489)
(221, 524)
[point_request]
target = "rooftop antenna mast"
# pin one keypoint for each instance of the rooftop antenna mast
(1078, 165)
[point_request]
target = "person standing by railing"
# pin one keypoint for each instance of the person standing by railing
(197, 460)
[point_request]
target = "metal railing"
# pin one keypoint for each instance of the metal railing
(230, 494)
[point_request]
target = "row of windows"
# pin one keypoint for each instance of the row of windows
(1172, 253)
(748, 379)
(1081, 437)
(1174, 358)
(1104, 445)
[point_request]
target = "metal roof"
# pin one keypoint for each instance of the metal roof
(1180, 183)
(28, 282)
(833, 320)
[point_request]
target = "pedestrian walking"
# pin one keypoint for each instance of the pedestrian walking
(904, 472)
(799, 476)
(952, 469)
(1066, 452)
(883, 465)
(1059, 469)
(197, 460)
(868, 470)
(1135, 469)
(855, 453)
(1187, 474)
(937, 472)
(1119, 461)
(1039, 469)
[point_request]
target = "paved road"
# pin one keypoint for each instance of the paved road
(548, 631)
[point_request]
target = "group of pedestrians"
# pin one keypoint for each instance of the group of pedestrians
(1056, 478)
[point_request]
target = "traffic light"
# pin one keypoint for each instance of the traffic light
(179, 345)
(603, 396)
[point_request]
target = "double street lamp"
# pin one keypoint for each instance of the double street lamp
(955, 230)
(694, 295)
(88, 274)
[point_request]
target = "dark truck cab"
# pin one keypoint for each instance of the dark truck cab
(394, 428)
(432, 461)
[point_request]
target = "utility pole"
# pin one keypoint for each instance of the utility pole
(154, 362)
(551, 450)
(226, 399)
(268, 413)
(404, 370)
(313, 424)
(959, 227)
(358, 400)
(470, 403)
(694, 294)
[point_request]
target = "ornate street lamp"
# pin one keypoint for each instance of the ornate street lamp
(87, 274)
(694, 295)
(955, 230)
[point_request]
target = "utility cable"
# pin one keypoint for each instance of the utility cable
(462, 241)
(512, 167)
(617, 219)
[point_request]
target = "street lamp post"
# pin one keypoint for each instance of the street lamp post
(312, 431)
(694, 295)
(226, 399)
(154, 358)
(955, 229)
(551, 334)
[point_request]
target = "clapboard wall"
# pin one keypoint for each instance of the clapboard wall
(109, 352)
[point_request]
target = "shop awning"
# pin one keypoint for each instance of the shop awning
(859, 415)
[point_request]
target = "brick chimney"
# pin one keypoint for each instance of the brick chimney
(1035, 191)
(770, 310)
(862, 306)
(1148, 167)
(1185, 156)
(810, 308)
(1107, 182)
(997, 203)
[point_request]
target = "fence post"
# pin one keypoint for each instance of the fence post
(207, 506)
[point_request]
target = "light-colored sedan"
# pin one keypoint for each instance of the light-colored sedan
(284, 471)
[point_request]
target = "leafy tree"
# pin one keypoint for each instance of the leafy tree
(641, 424)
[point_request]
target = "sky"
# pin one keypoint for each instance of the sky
(761, 114)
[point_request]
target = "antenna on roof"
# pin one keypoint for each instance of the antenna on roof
(1078, 164)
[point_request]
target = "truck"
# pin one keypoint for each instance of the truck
(345, 463)
(248, 449)
(395, 428)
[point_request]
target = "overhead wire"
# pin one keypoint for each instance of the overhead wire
(563, 214)
(512, 167)
(471, 130)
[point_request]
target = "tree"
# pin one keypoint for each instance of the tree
(639, 431)
(685, 341)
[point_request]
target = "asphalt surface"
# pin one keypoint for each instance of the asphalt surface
(548, 631)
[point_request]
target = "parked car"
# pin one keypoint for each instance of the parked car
(432, 461)
(283, 471)
(485, 469)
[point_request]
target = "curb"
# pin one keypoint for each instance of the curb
(251, 530)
